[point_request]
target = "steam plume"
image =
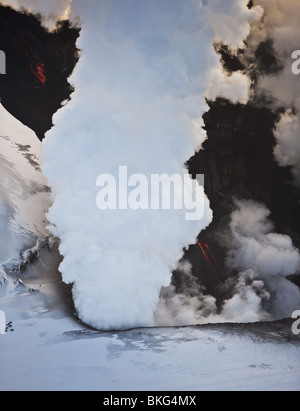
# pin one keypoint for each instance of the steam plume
(138, 95)
(140, 89)
(259, 262)
(271, 257)
(281, 25)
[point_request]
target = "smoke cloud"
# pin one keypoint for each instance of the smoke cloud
(235, 87)
(258, 261)
(231, 21)
(140, 89)
(271, 258)
(280, 24)
(287, 150)
(223, 18)
(51, 11)
(190, 306)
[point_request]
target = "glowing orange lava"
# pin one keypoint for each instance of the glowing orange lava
(36, 66)
(39, 73)
(210, 259)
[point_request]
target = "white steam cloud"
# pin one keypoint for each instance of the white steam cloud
(189, 307)
(139, 92)
(231, 21)
(235, 87)
(281, 25)
(223, 17)
(259, 262)
(287, 150)
(271, 258)
(140, 87)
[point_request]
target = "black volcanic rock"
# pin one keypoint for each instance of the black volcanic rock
(231, 61)
(38, 66)
(265, 58)
(237, 161)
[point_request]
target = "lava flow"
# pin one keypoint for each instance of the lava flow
(37, 67)
(210, 259)
(39, 72)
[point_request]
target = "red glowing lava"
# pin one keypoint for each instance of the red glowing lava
(210, 259)
(39, 72)
(36, 66)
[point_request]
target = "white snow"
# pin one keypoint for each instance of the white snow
(50, 350)
(24, 196)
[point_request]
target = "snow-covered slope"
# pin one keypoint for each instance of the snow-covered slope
(24, 195)
(46, 349)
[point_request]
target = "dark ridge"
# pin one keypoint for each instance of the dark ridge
(231, 61)
(262, 62)
(265, 58)
(238, 163)
(38, 66)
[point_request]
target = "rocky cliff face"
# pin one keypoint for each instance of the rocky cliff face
(238, 163)
(38, 66)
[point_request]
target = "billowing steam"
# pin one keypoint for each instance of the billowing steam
(139, 92)
(223, 17)
(270, 257)
(140, 87)
(259, 291)
(235, 87)
(280, 25)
